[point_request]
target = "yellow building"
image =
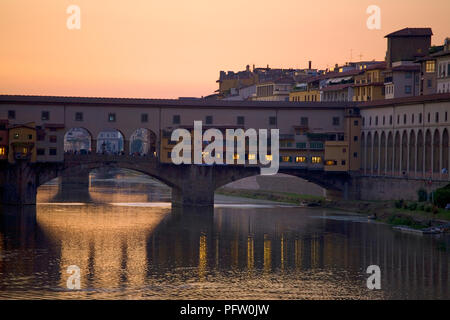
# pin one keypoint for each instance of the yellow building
(304, 95)
(345, 155)
(22, 142)
(369, 85)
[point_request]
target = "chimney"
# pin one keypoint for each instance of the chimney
(310, 65)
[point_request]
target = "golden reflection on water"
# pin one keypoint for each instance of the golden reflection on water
(106, 242)
(130, 247)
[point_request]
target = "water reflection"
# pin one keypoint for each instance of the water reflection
(148, 251)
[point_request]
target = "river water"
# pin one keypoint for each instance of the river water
(129, 244)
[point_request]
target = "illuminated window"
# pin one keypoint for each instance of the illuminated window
(251, 156)
(269, 157)
(316, 159)
(236, 157)
(331, 163)
(300, 159)
(16, 136)
(285, 159)
(2, 151)
(430, 66)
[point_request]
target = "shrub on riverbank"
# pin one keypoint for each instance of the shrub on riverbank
(442, 196)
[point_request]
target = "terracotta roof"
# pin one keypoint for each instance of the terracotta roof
(164, 103)
(381, 65)
(408, 100)
(411, 32)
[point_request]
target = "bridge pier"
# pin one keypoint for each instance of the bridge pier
(195, 188)
(20, 184)
(74, 187)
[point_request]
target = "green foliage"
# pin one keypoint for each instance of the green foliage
(442, 197)
(405, 221)
(412, 206)
(399, 203)
(422, 195)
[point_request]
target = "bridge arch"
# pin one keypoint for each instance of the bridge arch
(143, 142)
(110, 141)
(420, 154)
(436, 151)
(78, 140)
(412, 152)
(383, 154)
(428, 142)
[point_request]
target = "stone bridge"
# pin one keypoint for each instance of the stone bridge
(192, 185)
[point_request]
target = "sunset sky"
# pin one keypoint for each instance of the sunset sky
(168, 49)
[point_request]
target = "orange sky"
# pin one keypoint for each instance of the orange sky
(167, 49)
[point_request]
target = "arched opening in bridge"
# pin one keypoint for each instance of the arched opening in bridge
(383, 153)
(404, 152)
(77, 140)
(412, 152)
(420, 154)
(376, 154)
(397, 146)
(390, 153)
(369, 153)
(428, 152)
(436, 152)
(143, 142)
(110, 142)
(445, 150)
(104, 184)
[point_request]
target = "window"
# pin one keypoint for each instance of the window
(316, 159)
(408, 75)
(376, 120)
(398, 119)
(429, 83)
(300, 159)
(240, 120)
(355, 138)
(52, 151)
(407, 89)
(343, 162)
(436, 117)
(40, 152)
(446, 116)
(304, 121)
(285, 159)
(30, 137)
(273, 121)
(176, 119)
(45, 115)
(335, 121)
(370, 121)
(430, 66)
(11, 114)
(384, 120)
(390, 119)
(78, 116)
(301, 145)
(429, 117)
(355, 154)
(52, 139)
(209, 120)
(420, 118)
(144, 117)
(316, 145)
(112, 117)
(404, 119)
(412, 118)
(355, 123)
(16, 136)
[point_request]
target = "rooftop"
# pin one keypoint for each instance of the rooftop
(411, 32)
